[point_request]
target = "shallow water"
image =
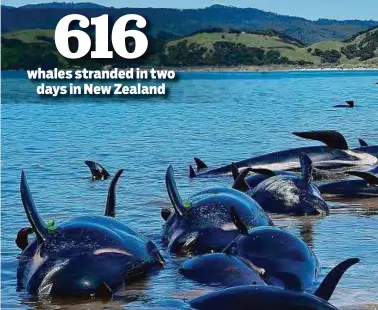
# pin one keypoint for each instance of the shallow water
(218, 117)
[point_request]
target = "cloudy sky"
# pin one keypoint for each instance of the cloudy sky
(336, 9)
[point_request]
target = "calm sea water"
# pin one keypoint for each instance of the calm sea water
(218, 117)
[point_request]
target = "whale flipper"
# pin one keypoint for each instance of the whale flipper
(192, 173)
(111, 200)
(333, 139)
(98, 171)
(370, 178)
(235, 171)
(22, 237)
(200, 164)
(306, 167)
(39, 227)
(173, 193)
(238, 222)
(327, 287)
(240, 183)
(362, 142)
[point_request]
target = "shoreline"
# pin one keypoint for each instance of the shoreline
(273, 68)
(252, 69)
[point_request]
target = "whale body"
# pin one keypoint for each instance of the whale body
(335, 155)
(88, 256)
(202, 223)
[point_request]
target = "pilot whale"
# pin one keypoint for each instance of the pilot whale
(349, 104)
(335, 155)
(366, 148)
(287, 193)
(365, 186)
(251, 297)
(202, 223)
(221, 269)
(281, 258)
(88, 256)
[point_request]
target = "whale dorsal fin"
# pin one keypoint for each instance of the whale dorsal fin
(327, 287)
(291, 281)
(200, 164)
(306, 167)
(111, 200)
(370, 178)
(240, 183)
(192, 173)
(362, 142)
(39, 227)
(235, 171)
(238, 222)
(350, 103)
(98, 171)
(173, 193)
(333, 139)
(263, 171)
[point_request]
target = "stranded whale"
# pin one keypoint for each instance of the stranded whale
(221, 269)
(281, 258)
(88, 256)
(287, 194)
(365, 186)
(369, 149)
(259, 297)
(202, 223)
(335, 155)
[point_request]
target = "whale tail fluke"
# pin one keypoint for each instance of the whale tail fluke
(192, 173)
(111, 199)
(307, 168)
(333, 139)
(173, 193)
(327, 287)
(39, 227)
(362, 142)
(200, 164)
(240, 184)
(98, 171)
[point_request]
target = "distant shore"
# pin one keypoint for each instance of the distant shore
(276, 68)
(270, 68)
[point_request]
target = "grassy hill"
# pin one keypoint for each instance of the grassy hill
(32, 35)
(209, 47)
(360, 49)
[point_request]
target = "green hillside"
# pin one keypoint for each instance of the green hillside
(32, 35)
(201, 48)
(211, 47)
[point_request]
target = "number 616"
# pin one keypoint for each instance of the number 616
(101, 23)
